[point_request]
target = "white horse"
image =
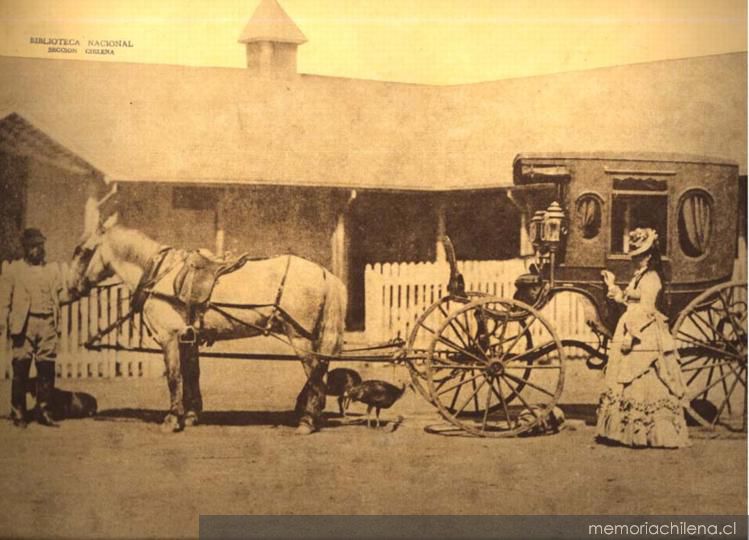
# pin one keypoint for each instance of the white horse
(287, 296)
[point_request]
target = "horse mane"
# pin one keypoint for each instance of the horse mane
(131, 245)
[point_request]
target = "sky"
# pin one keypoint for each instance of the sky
(418, 41)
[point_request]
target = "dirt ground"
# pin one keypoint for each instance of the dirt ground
(119, 476)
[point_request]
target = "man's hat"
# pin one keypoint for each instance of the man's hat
(641, 240)
(32, 237)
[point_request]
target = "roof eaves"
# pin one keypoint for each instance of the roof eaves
(218, 182)
(18, 123)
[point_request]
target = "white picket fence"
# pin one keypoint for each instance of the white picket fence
(84, 318)
(398, 293)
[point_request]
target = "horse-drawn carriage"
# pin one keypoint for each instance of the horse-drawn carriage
(495, 366)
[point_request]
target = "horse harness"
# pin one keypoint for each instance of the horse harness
(193, 285)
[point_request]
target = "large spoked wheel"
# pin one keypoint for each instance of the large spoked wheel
(495, 368)
(711, 336)
(424, 330)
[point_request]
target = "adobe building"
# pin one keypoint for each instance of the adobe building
(342, 171)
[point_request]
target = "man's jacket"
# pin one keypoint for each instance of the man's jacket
(15, 298)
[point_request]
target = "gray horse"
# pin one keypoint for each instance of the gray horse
(288, 296)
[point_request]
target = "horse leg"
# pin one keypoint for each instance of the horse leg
(190, 365)
(311, 400)
(174, 418)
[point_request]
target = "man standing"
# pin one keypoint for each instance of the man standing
(30, 295)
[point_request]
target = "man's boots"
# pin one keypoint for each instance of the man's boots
(18, 392)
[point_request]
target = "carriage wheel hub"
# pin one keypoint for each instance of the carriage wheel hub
(496, 368)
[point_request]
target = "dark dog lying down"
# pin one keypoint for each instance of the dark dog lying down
(67, 404)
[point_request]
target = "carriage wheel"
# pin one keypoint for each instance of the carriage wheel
(711, 335)
(424, 330)
(484, 373)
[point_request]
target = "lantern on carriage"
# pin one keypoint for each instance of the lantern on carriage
(554, 228)
(536, 230)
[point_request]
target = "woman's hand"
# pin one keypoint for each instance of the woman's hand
(614, 292)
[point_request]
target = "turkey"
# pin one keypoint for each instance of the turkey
(376, 395)
(340, 381)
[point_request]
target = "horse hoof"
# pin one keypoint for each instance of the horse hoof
(171, 424)
(191, 419)
(304, 429)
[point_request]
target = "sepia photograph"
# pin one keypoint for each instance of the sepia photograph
(373, 269)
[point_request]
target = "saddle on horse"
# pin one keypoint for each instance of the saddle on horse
(194, 284)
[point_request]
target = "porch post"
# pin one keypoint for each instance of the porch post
(526, 248)
(338, 262)
(439, 250)
(340, 242)
(220, 223)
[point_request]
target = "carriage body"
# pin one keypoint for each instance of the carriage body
(495, 366)
(691, 201)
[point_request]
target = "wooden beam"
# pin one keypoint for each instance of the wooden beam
(441, 216)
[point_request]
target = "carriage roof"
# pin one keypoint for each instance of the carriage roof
(580, 167)
(628, 156)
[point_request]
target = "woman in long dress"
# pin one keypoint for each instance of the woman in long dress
(642, 405)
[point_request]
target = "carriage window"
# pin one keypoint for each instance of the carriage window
(628, 212)
(695, 214)
(588, 214)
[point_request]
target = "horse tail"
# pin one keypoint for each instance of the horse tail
(332, 325)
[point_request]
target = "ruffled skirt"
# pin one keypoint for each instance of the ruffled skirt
(642, 413)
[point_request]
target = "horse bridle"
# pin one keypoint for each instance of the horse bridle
(85, 254)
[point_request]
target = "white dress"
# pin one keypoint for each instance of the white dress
(642, 404)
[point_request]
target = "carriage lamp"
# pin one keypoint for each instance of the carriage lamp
(536, 230)
(554, 226)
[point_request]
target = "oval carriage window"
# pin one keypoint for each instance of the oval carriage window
(695, 222)
(588, 211)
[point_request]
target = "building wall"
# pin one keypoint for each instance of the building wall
(150, 208)
(403, 227)
(483, 225)
(397, 227)
(393, 227)
(55, 201)
(260, 221)
(273, 220)
(13, 174)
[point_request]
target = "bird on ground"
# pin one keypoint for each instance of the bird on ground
(341, 380)
(376, 395)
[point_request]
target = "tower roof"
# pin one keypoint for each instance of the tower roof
(271, 23)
